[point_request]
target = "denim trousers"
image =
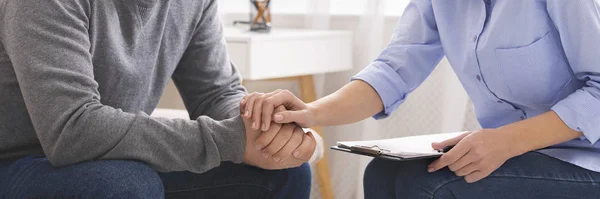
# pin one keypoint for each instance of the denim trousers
(35, 177)
(531, 175)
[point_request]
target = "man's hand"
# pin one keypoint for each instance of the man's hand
(475, 155)
(260, 108)
(282, 146)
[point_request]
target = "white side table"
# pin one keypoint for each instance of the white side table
(292, 55)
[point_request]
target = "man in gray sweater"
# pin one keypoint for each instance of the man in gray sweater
(78, 80)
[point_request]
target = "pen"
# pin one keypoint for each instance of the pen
(445, 149)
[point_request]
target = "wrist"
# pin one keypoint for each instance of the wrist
(313, 114)
(518, 145)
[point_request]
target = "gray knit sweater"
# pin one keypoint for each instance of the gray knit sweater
(78, 79)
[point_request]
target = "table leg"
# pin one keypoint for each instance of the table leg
(308, 94)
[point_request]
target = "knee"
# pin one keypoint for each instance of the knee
(385, 178)
(376, 171)
(126, 179)
(381, 172)
(294, 182)
(299, 178)
(379, 179)
(301, 175)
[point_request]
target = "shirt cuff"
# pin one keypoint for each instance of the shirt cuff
(387, 83)
(229, 137)
(581, 112)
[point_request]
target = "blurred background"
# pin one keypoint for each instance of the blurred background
(439, 105)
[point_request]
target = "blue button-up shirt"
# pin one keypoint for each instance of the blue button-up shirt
(515, 59)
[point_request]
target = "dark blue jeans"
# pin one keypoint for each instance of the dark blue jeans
(34, 177)
(532, 175)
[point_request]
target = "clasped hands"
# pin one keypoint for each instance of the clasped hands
(281, 146)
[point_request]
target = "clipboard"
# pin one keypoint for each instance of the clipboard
(377, 153)
(415, 147)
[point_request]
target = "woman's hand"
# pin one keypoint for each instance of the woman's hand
(260, 108)
(476, 155)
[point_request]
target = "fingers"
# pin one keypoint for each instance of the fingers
(290, 146)
(269, 104)
(449, 142)
(462, 162)
(466, 170)
(268, 109)
(249, 104)
(301, 117)
(287, 116)
(243, 104)
(305, 151)
(278, 98)
(301, 155)
(452, 156)
(476, 176)
(267, 137)
(449, 158)
(280, 109)
(260, 107)
(282, 137)
(256, 111)
(286, 98)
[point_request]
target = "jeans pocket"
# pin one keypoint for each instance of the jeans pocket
(536, 73)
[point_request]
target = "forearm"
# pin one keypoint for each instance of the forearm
(181, 145)
(95, 131)
(354, 102)
(539, 132)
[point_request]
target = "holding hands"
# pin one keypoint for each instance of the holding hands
(260, 108)
(281, 146)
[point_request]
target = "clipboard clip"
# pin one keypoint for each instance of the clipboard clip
(373, 150)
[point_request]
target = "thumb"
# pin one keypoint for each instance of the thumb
(299, 117)
(449, 142)
(280, 109)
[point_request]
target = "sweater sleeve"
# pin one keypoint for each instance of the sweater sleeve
(48, 44)
(207, 80)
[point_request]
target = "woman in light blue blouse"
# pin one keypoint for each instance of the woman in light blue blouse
(532, 70)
